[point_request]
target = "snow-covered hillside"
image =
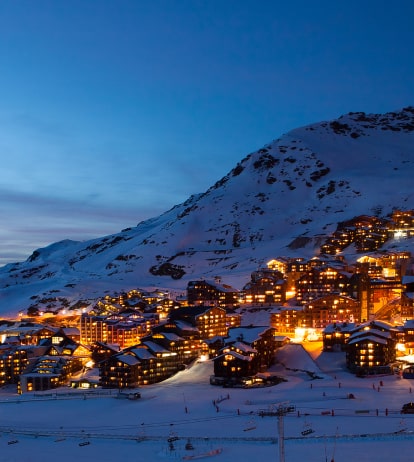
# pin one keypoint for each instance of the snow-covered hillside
(300, 185)
(326, 424)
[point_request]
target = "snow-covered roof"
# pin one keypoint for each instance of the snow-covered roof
(376, 323)
(221, 287)
(371, 332)
(407, 279)
(154, 347)
(340, 327)
(235, 355)
(278, 309)
(409, 324)
(71, 331)
(185, 326)
(171, 336)
(244, 347)
(142, 353)
(368, 338)
(246, 334)
(128, 359)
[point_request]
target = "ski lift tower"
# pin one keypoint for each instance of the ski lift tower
(281, 410)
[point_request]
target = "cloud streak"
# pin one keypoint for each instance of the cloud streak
(31, 221)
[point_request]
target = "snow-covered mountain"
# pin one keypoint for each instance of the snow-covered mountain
(281, 200)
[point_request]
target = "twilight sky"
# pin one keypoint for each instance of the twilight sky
(111, 112)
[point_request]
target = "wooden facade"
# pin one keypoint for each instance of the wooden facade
(266, 287)
(215, 293)
(142, 365)
(371, 348)
(246, 351)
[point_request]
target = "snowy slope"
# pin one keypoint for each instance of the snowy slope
(40, 426)
(300, 185)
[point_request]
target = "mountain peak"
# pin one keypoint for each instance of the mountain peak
(294, 189)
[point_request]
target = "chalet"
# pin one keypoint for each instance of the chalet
(371, 348)
(26, 333)
(214, 345)
(212, 293)
(13, 361)
(236, 361)
(209, 320)
(266, 286)
(48, 372)
(232, 319)
(297, 265)
(286, 318)
(72, 333)
(335, 336)
(167, 363)
(260, 338)
(246, 352)
(281, 340)
(180, 346)
(120, 370)
(141, 365)
(332, 308)
(382, 326)
(321, 281)
(101, 351)
(163, 307)
(189, 332)
(61, 345)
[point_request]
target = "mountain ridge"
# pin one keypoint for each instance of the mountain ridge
(298, 186)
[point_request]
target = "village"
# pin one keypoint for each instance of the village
(363, 307)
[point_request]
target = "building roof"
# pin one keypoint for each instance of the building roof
(372, 333)
(408, 279)
(185, 326)
(340, 327)
(70, 331)
(279, 309)
(281, 338)
(131, 360)
(235, 355)
(155, 347)
(368, 338)
(244, 347)
(171, 336)
(373, 324)
(409, 324)
(191, 311)
(246, 334)
(217, 285)
(142, 353)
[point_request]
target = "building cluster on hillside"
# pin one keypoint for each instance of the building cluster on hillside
(369, 233)
(139, 338)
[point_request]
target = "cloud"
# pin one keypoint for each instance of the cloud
(31, 221)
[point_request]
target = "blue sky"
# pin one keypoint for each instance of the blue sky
(114, 111)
